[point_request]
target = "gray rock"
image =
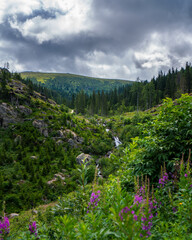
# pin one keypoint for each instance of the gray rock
(83, 158)
(42, 127)
(72, 143)
(57, 176)
(34, 211)
(60, 133)
(24, 110)
(13, 215)
(59, 142)
(8, 115)
(17, 139)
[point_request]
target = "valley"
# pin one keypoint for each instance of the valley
(71, 174)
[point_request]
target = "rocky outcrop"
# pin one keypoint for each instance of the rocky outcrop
(24, 110)
(8, 115)
(72, 138)
(83, 158)
(42, 127)
(56, 178)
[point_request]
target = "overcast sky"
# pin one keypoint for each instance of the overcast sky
(122, 39)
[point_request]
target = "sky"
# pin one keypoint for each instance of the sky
(121, 39)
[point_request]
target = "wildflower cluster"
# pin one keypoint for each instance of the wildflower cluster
(93, 201)
(141, 212)
(163, 180)
(33, 228)
(4, 227)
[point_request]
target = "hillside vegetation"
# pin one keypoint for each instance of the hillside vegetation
(72, 84)
(144, 188)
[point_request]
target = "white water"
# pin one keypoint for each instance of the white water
(117, 141)
(99, 172)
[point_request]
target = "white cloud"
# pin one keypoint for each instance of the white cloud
(12, 7)
(73, 20)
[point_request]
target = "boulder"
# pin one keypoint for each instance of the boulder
(12, 215)
(42, 126)
(8, 115)
(56, 177)
(72, 143)
(17, 140)
(24, 110)
(83, 158)
(60, 133)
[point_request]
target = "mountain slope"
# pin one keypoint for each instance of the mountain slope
(40, 142)
(72, 83)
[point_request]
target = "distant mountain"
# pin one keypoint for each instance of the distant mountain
(71, 83)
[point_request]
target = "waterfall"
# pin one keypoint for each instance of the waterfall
(117, 141)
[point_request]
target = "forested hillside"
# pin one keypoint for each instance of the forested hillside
(69, 84)
(38, 150)
(139, 95)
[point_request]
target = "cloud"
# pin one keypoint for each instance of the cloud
(104, 38)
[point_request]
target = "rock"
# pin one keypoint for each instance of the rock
(60, 133)
(59, 142)
(69, 132)
(21, 182)
(79, 140)
(83, 158)
(42, 126)
(45, 132)
(12, 215)
(56, 177)
(17, 139)
(34, 211)
(108, 154)
(24, 110)
(72, 143)
(8, 115)
(59, 175)
(52, 102)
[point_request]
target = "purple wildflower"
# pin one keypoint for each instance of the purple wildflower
(33, 228)
(163, 180)
(94, 200)
(151, 216)
(185, 175)
(4, 226)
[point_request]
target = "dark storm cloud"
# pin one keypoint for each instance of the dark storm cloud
(129, 22)
(117, 26)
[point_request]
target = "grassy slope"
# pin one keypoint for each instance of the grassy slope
(74, 83)
(42, 77)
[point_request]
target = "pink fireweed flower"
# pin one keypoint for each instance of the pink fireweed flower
(185, 175)
(33, 228)
(4, 227)
(163, 180)
(93, 200)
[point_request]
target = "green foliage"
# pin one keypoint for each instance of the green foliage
(165, 137)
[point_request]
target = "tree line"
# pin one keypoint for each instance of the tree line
(140, 95)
